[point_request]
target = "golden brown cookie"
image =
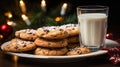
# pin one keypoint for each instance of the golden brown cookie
(50, 52)
(26, 34)
(73, 45)
(72, 29)
(78, 51)
(73, 39)
(15, 40)
(52, 32)
(19, 46)
(51, 43)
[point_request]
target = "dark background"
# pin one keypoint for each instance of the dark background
(113, 19)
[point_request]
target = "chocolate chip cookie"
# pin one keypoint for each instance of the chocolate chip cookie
(73, 39)
(73, 45)
(26, 34)
(51, 43)
(19, 46)
(78, 51)
(52, 32)
(50, 52)
(72, 29)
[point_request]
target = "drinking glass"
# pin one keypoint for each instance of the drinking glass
(92, 22)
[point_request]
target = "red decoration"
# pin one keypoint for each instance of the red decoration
(114, 53)
(109, 36)
(5, 29)
(118, 40)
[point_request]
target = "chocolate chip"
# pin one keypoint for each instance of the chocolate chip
(31, 38)
(24, 45)
(22, 42)
(19, 35)
(75, 25)
(30, 33)
(46, 31)
(33, 34)
(61, 29)
(54, 28)
(49, 43)
(73, 28)
(55, 36)
(42, 34)
(16, 47)
(67, 26)
(79, 52)
(30, 42)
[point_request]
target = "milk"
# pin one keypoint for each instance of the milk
(92, 29)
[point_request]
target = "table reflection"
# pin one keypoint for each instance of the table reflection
(15, 59)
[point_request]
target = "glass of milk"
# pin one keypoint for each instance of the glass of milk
(92, 22)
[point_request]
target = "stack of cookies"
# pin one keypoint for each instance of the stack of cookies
(23, 41)
(73, 39)
(73, 35)
(48, 41)
(51, 41)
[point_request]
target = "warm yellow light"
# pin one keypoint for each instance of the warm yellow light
(24, 17)
(8, 14)
(11, 23)
(58, 19)
(21, 2)
(64, 6)
(15, 58)
(1, 36)
(22, 6)
(43, 4)
(63, 9)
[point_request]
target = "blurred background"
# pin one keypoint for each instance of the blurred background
(31, 14)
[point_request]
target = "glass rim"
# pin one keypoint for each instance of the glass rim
(92, 7)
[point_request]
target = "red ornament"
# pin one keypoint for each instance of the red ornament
(5, 29)
(109, 36)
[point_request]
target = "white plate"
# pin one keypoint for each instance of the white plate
(62, 58)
